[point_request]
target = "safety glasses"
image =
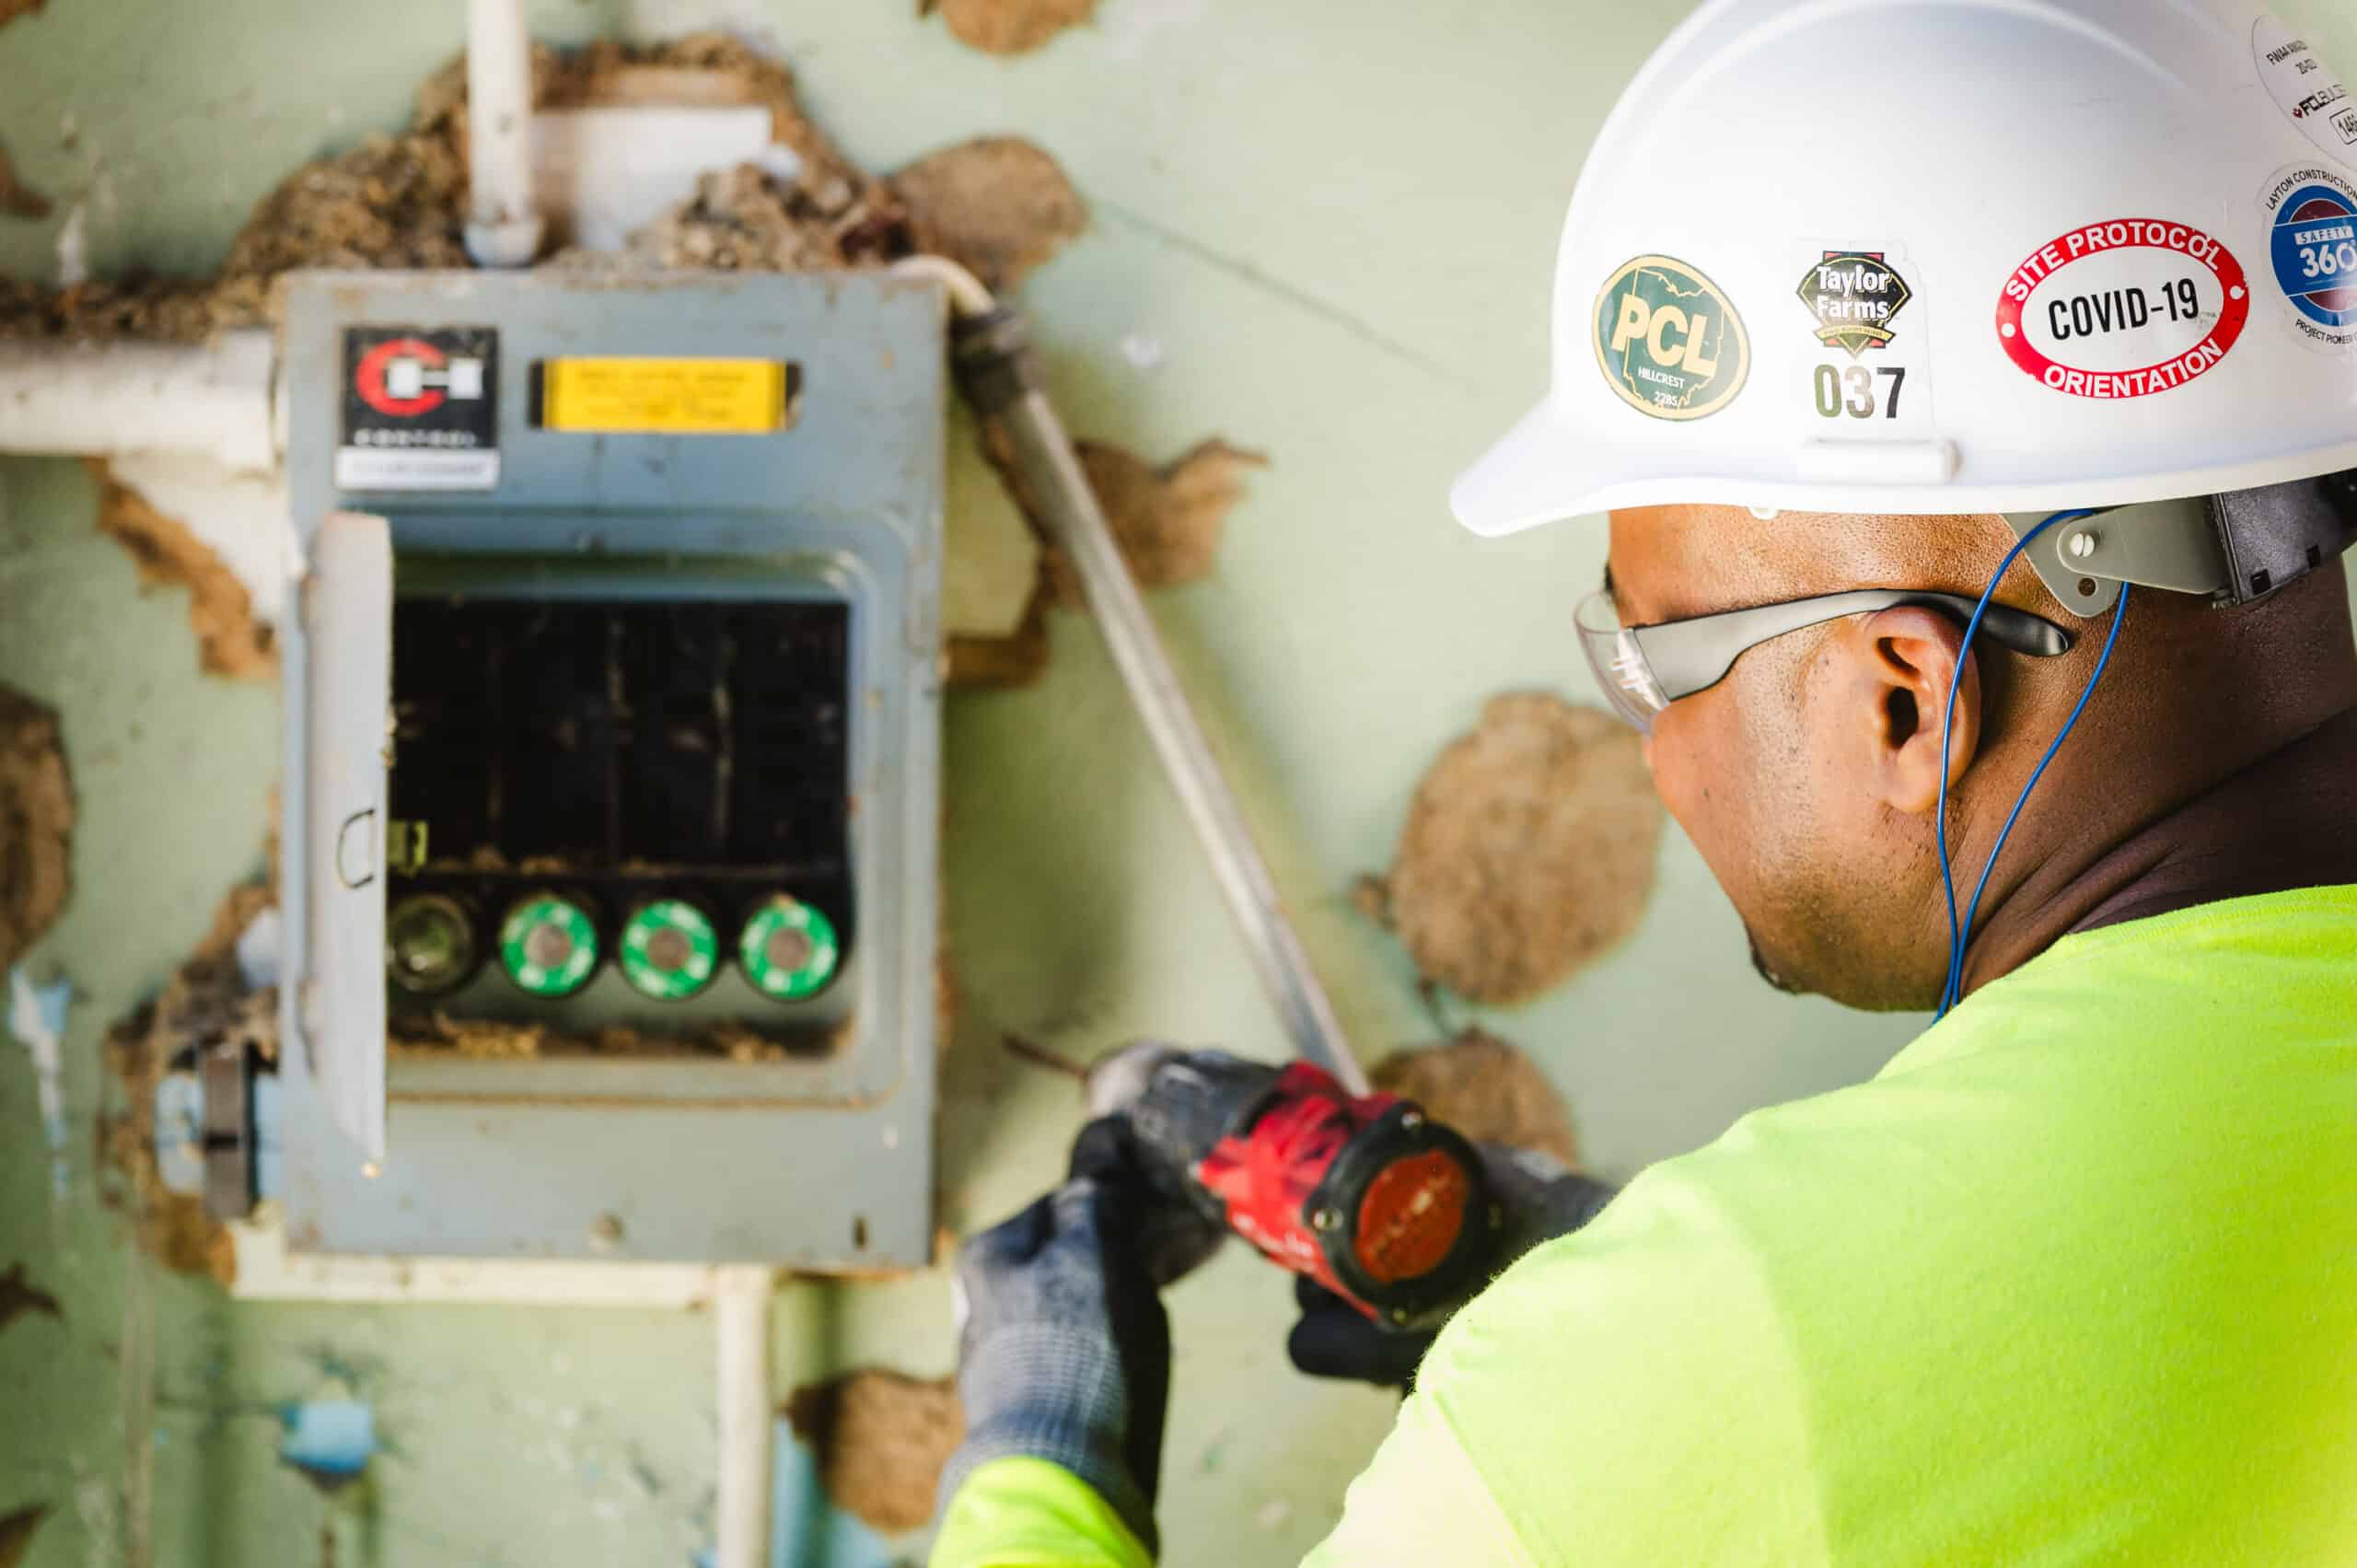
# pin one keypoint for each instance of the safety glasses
(1644, 669)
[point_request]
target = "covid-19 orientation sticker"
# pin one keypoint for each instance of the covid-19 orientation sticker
(2311, 212)
(2126, 308)
(1669, 341)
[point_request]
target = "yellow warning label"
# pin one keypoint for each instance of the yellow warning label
(671, 397)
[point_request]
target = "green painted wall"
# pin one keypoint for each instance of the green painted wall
(1338, 220)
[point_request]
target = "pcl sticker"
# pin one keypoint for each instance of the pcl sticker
(2304, 88)
(2312, 249)
(2124, 309)
(1669, 341)
(420, 409)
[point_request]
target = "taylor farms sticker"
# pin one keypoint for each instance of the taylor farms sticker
(2303, 88)
(2311, 250)
(420, 409)
(1856, 296)
(1873, 374)
(2124, 309)
(1668, 340)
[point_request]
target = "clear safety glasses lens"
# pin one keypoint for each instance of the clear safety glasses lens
(1620, 665)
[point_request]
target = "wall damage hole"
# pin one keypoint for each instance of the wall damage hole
(1007, 27)
(18, 200)
(1485, 1088)
(882, 1439)
(1167, 520)
(229, 640)
(859, 1233)
(20, 1296)
(16, 1527)
(36, 824)
(998, 205)
(1529, 850)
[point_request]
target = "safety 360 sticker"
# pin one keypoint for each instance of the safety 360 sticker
(1668, 340)
(2126, 308)
(2311, 215)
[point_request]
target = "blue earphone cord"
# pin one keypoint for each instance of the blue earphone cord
(1960, 932)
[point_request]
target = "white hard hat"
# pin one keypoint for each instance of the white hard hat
(1950, 256)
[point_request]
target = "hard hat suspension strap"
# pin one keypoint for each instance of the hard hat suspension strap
(2231, 548)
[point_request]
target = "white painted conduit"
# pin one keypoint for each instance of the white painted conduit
(108, 400)
(502, 226)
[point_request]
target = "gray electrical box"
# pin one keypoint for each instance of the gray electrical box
(612, 808)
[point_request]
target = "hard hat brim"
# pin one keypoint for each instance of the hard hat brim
(1546, 469)
(1536, 474)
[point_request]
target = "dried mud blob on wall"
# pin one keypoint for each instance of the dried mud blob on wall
(1008, 27)
(1486, 1089)
(998, 205)
(1167, 520)
(882, 1440)
(36, 824)
(1529, 850)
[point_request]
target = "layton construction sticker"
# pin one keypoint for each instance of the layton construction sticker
(2304, 88)
(2126, 308)
(2311, 215)
(420, 409)
(1668, 341)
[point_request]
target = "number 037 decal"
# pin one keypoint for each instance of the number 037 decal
(1853, 391)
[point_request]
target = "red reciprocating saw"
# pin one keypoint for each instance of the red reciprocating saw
(1363, 1194)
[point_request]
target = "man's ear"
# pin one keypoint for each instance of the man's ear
(1904, 659)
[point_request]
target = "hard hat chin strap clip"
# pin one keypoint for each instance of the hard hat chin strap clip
(2231, 549)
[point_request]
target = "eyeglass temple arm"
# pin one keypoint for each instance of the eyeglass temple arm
(1687, 657)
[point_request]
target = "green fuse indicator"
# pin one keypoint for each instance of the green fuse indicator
(670, 949)
(549, 945)
(789, 949)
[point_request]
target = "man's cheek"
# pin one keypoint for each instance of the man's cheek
(1680, 772)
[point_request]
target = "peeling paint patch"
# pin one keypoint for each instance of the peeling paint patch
(1007, 27)
(17, 1296)
(231, 639)
(16, 1528)
(37, 1017)
(331, 1440)
(36, 825)
(17, 199)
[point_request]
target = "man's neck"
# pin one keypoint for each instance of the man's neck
(2283, 822)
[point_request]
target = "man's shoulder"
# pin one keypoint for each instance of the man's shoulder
(1997, 1258)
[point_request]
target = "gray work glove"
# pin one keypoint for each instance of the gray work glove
(1543, 1198)
(1063, 1348)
